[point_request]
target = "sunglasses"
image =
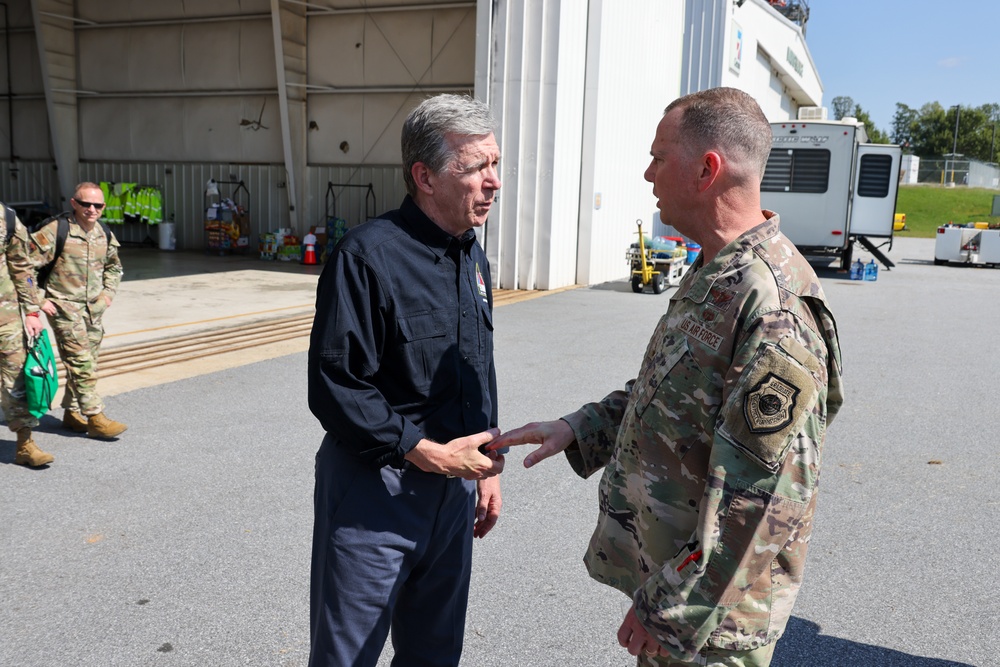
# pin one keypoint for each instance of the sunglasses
(87, 204)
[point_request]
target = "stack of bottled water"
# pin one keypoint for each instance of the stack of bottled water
(862, 271)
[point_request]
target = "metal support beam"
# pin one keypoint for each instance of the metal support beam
(290, 34)
(57, 58)
(320, 10)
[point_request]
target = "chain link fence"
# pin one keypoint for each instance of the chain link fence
(959, 171)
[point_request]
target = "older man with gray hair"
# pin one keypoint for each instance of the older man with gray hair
(401, 377)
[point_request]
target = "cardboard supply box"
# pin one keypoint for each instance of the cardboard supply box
(241, 221)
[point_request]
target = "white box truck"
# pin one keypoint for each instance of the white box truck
(832, 188)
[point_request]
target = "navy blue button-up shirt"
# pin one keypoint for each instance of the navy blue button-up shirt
(402, 342)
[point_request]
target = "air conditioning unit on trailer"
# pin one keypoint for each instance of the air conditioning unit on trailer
(812, 113)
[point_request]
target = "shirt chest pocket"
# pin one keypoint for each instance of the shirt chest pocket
(423, 344)
(654, 372)
(414, 328)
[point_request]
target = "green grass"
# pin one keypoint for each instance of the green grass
(927, 206)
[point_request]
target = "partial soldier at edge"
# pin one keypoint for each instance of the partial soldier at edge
(17, 295)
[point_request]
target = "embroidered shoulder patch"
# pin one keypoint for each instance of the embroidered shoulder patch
(768, 406)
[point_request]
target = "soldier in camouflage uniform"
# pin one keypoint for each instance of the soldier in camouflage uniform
(79, 289)
(711, 456)
(17, 291)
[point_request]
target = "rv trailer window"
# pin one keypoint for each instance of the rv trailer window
(797, 170)
(873, 176)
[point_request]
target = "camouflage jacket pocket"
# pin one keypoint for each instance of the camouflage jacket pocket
(655, 370)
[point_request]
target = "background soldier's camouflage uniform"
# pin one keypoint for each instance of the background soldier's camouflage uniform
(712, 454)
(87, 270)
(16, 285)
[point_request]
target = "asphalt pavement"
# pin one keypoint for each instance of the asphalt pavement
(186, 543)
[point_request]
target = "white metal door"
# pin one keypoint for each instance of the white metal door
(876, 181)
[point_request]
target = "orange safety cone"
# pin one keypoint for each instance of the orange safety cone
(310, 255)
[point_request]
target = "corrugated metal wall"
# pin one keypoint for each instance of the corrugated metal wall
(538, 66)
(352, 203)
(632, 86)
(704, 44)
(173, 94)
(23, 117)
(183, 188)
(560, 211)
(29, 181)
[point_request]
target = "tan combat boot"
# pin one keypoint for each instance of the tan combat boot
(28, 453)
(74, 421)
(99, 426)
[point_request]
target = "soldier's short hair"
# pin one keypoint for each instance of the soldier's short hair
(86, 185)
(424, 130)
(725, 118)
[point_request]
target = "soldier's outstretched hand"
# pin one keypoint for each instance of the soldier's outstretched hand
(553, 436)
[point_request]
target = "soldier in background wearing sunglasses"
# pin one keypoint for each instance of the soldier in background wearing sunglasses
(83, 280)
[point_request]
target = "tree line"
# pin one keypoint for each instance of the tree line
(931, 130)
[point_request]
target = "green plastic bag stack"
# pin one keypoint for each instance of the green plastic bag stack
(41, 380)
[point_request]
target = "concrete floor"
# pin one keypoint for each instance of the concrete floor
(166, 293)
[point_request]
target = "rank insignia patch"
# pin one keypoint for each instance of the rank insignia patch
(768, 406)
(720, 298)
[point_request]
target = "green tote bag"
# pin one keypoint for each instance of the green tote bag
(41, 381)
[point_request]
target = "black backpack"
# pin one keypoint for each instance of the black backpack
(61, 233)
(10, 216)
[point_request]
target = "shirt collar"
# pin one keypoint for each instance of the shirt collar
(427, 231)
(701, 277)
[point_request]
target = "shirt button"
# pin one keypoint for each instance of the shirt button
(464, 313)
(468, 405)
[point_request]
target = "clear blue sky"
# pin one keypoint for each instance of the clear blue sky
(880, 52)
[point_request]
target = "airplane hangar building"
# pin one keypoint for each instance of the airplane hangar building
(302, 102)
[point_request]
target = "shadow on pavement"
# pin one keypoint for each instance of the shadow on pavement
(803, 645)
(613, 286)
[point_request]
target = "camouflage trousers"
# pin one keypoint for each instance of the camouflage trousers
(79, 333)
(12, 356)
(714, 657)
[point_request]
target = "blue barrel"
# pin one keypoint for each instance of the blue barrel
(693, 250)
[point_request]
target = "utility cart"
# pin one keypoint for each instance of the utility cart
(227, 223)
(654, 267)
(336, 226)
(975, 243)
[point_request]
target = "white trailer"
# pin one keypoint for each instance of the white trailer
(832, 188)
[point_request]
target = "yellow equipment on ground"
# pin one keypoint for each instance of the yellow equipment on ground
(652, 267)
